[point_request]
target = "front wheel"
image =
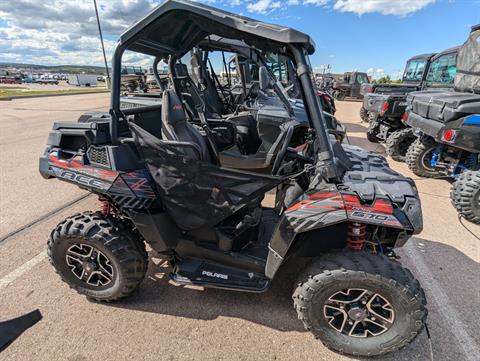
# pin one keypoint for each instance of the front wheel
(465, 195)
(398, 143)
(373, 129)
(419, 157)
(364, 114)
(98, 256)
(360, 303)
(339, 95)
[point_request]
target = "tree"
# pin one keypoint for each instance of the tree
(386, 80)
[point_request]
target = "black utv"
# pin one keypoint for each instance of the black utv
(385, 120)
(340, 211)
(447, 126)
(374, 94)
(349, 85)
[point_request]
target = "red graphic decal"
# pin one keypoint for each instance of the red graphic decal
(75, 164)
(348, 202)
(314, 201)
(352, 203)
(139, 183)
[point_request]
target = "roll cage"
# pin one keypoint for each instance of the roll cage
(176, 26)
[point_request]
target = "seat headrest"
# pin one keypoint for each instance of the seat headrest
(172, 108)
(181, 70)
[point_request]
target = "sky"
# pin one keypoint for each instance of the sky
(375, 36)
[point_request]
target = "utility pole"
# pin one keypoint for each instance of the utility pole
(101, 40)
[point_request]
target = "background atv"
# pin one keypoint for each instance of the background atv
(340, 211)
(349, 86)
(448, 130)
(386, 110)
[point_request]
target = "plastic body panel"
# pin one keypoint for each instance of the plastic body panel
(371, 193)
(467, 135)
(443, 106)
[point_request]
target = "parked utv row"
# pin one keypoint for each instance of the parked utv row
(433, 123)
(447, 130)
(174, 172)
(386, 106)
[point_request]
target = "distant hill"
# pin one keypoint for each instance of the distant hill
(88, 69)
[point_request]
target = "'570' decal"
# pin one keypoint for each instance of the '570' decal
(371, 216)
(375, 218)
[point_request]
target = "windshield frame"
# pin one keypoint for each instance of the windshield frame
(432, 69)
(417, 75)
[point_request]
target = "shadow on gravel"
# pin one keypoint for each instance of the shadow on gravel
(355, 127)
(351, 100)
(454, 273)
(361, 141)
(365, 143)
(451, 282)
(273, 309)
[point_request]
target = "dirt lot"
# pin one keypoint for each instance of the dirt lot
(162, 321)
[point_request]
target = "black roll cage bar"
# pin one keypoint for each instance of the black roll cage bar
(326, 166)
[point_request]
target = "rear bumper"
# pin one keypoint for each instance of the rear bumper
(423, 125)
(373, 102)
(44, 168)
(467, 136)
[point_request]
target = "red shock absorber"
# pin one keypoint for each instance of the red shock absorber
(105, 206)
(356, 236)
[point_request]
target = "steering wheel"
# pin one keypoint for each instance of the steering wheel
(250, 91)
(283, 151)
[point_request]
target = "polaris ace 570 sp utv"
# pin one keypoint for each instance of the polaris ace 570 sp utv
(340, 210)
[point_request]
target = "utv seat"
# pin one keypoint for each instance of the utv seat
(203, 79)
(213, 107)
(176, 127)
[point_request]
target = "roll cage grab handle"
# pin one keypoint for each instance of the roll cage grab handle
(325, 163)
(156, 74)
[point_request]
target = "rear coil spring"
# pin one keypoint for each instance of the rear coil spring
(105, 206)
(356, 236)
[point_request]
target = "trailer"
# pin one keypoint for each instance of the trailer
(82, 79)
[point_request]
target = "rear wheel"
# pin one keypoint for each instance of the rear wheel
(98, 256)
(339, 95)
(398, 143)
(373, 128)
(465, 195)
(419, 157)
(360, 303)
(364, 114)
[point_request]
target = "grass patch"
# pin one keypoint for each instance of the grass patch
(16, 92)
(7, 88)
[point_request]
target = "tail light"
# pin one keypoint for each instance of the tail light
(385, 106)
(449, 135)
(404, 117)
